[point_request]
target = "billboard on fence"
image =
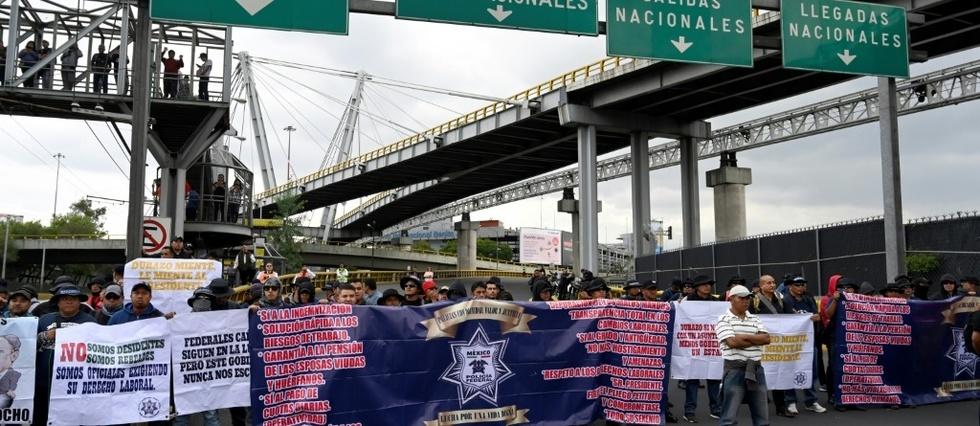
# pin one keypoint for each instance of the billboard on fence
(541, 246)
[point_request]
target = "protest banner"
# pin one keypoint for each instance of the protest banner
(173, 280)
(210, 360)
(787, 360)
(881, 365)
(567, 362)
(18, 354)
(111, 375)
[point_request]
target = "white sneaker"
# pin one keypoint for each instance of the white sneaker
(816, 408)
(791, 408)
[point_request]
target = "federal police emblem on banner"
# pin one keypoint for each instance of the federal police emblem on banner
(149, 407)
(477, 369)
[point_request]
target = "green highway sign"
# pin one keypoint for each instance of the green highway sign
(560, 16)
(704, 31)
(845, 36)
(324, 16)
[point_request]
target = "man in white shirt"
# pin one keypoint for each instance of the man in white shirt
(741, 337)
(203, 77)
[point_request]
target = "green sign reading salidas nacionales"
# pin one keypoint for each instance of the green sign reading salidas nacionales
(845, 36)
(704, 31)
(563, 16)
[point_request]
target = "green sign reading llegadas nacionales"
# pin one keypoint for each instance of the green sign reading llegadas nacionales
(704, 31)
(845, 36)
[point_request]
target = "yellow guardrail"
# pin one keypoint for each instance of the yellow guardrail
(395, 276)
(563, 80)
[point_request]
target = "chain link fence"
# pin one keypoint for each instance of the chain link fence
(854, 248)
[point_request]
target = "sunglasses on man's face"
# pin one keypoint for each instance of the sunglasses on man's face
(410, 285)
(111, 297)
(271, 288)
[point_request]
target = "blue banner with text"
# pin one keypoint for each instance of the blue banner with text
(476, 361)
(895, 351)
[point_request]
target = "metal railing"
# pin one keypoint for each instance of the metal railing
(564, 80)
(395, 276)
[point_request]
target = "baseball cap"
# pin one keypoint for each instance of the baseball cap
(141, 284)
(112, 289)
(738, 291)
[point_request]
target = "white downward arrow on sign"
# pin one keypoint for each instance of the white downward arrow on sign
(499, 13)
(681, 44)
(847, 57)
(254, 6)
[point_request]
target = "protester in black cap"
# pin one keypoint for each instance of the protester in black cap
(306, 293)
(541, 291)
(597, 289)
(632, 289)
(675, 292)
(329, 294)
(67, 300)
(95, 289)
(908, 289)
(48, 306)
(687, 288)
(391, 297)
(893, 290)
(867, 289)
(649, 291)
(703, 285)
(969, 285)
(271, 296)
(19, 303)
(921, 290)
(201, 300)
(112, 302)
(411, 285)
(735, 280)
(139, 308)
(180, 252)
(457, 291)
(947, 287)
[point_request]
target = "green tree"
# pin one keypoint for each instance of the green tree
(421, 245)
(485, 247)
(921, 264)
(286, 238)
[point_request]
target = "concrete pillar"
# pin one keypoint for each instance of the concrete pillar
(466, 244)
(403, 241)
(588, 191)
(568, 204)
(172, 202)
(891, 178)
(643, 241)
(690, 205)
(729, 183)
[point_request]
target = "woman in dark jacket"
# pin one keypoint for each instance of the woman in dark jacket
(541, 291)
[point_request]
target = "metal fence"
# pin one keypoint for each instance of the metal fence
(855, 249)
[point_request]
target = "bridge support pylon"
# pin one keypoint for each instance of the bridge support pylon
(466, 243)
(729, 182)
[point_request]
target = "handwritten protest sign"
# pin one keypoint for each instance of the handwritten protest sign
(211, 360)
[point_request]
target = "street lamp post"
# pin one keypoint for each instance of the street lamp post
(57, 177)
(374, 243)
(289, 149)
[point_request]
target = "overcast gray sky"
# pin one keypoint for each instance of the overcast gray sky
(811, 181)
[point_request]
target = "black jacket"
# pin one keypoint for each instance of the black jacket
(757, 307)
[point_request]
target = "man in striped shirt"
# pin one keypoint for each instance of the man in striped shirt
(741, 336)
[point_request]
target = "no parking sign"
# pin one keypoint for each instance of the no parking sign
(156, 234)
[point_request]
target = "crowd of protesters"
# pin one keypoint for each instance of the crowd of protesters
(740, 333)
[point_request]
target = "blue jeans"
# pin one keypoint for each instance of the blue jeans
(734, 392)
(210, 419)
(691, 396)
(809, 394)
